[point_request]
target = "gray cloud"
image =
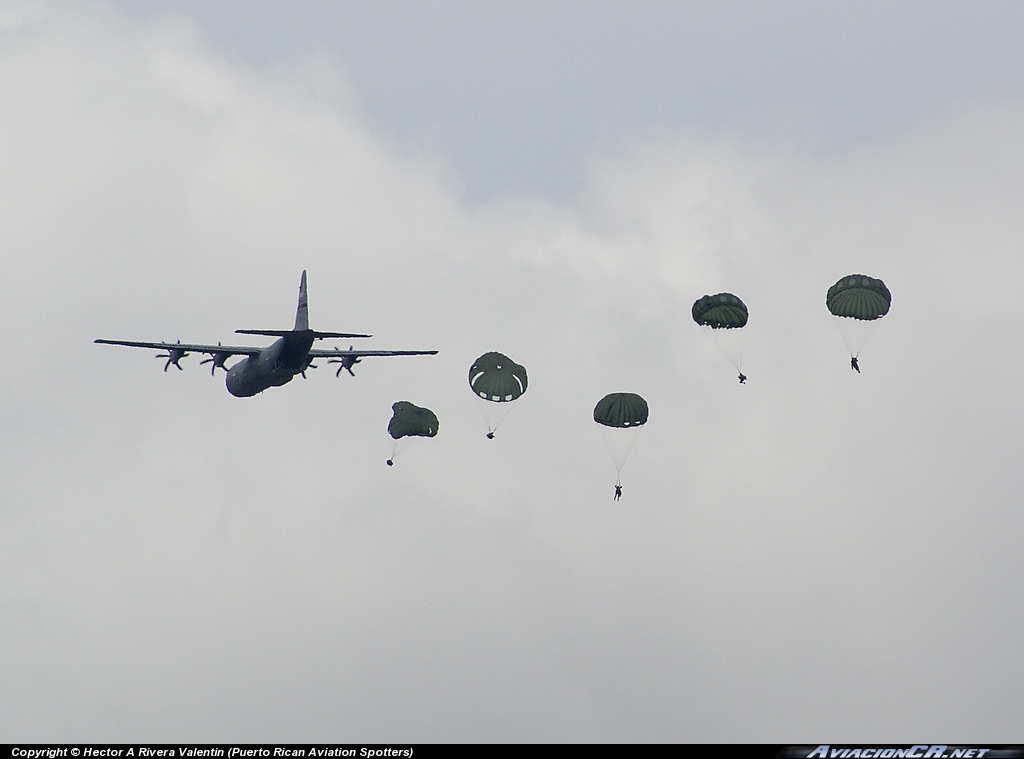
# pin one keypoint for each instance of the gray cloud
(814, 553)
(520, 98)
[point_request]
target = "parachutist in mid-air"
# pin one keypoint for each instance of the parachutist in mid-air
(725, 315)
(410, 421)
(857, 301)
(620, 416)
(743, 378)
(496, 380)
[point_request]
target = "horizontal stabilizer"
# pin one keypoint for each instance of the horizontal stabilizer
(321, 335)
(283, 332)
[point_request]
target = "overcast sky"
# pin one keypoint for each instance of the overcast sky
(816, 555)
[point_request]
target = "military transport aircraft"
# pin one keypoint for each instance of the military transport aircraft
(275, 364)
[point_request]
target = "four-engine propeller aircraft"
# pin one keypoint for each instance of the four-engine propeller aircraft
(275, 364)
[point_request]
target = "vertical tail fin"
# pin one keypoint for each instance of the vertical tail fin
(302, 312)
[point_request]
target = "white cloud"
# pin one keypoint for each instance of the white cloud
(814, 552)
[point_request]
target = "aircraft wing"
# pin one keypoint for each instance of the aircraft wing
(337, 353)
(226, 350)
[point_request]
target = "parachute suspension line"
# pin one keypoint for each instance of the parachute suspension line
(400, 446)
(619, 442)
(493, 414)
(730, 343)
(871, 327)
(855, 333)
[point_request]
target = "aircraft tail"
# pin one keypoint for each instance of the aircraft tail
(301, 321)
(302, 312)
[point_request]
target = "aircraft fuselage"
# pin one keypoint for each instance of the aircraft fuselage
(274, 366)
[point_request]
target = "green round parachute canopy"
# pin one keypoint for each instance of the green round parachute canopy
(859, 297)
(496, 377)
(409, 420)
(721, 311)
(621, 410)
